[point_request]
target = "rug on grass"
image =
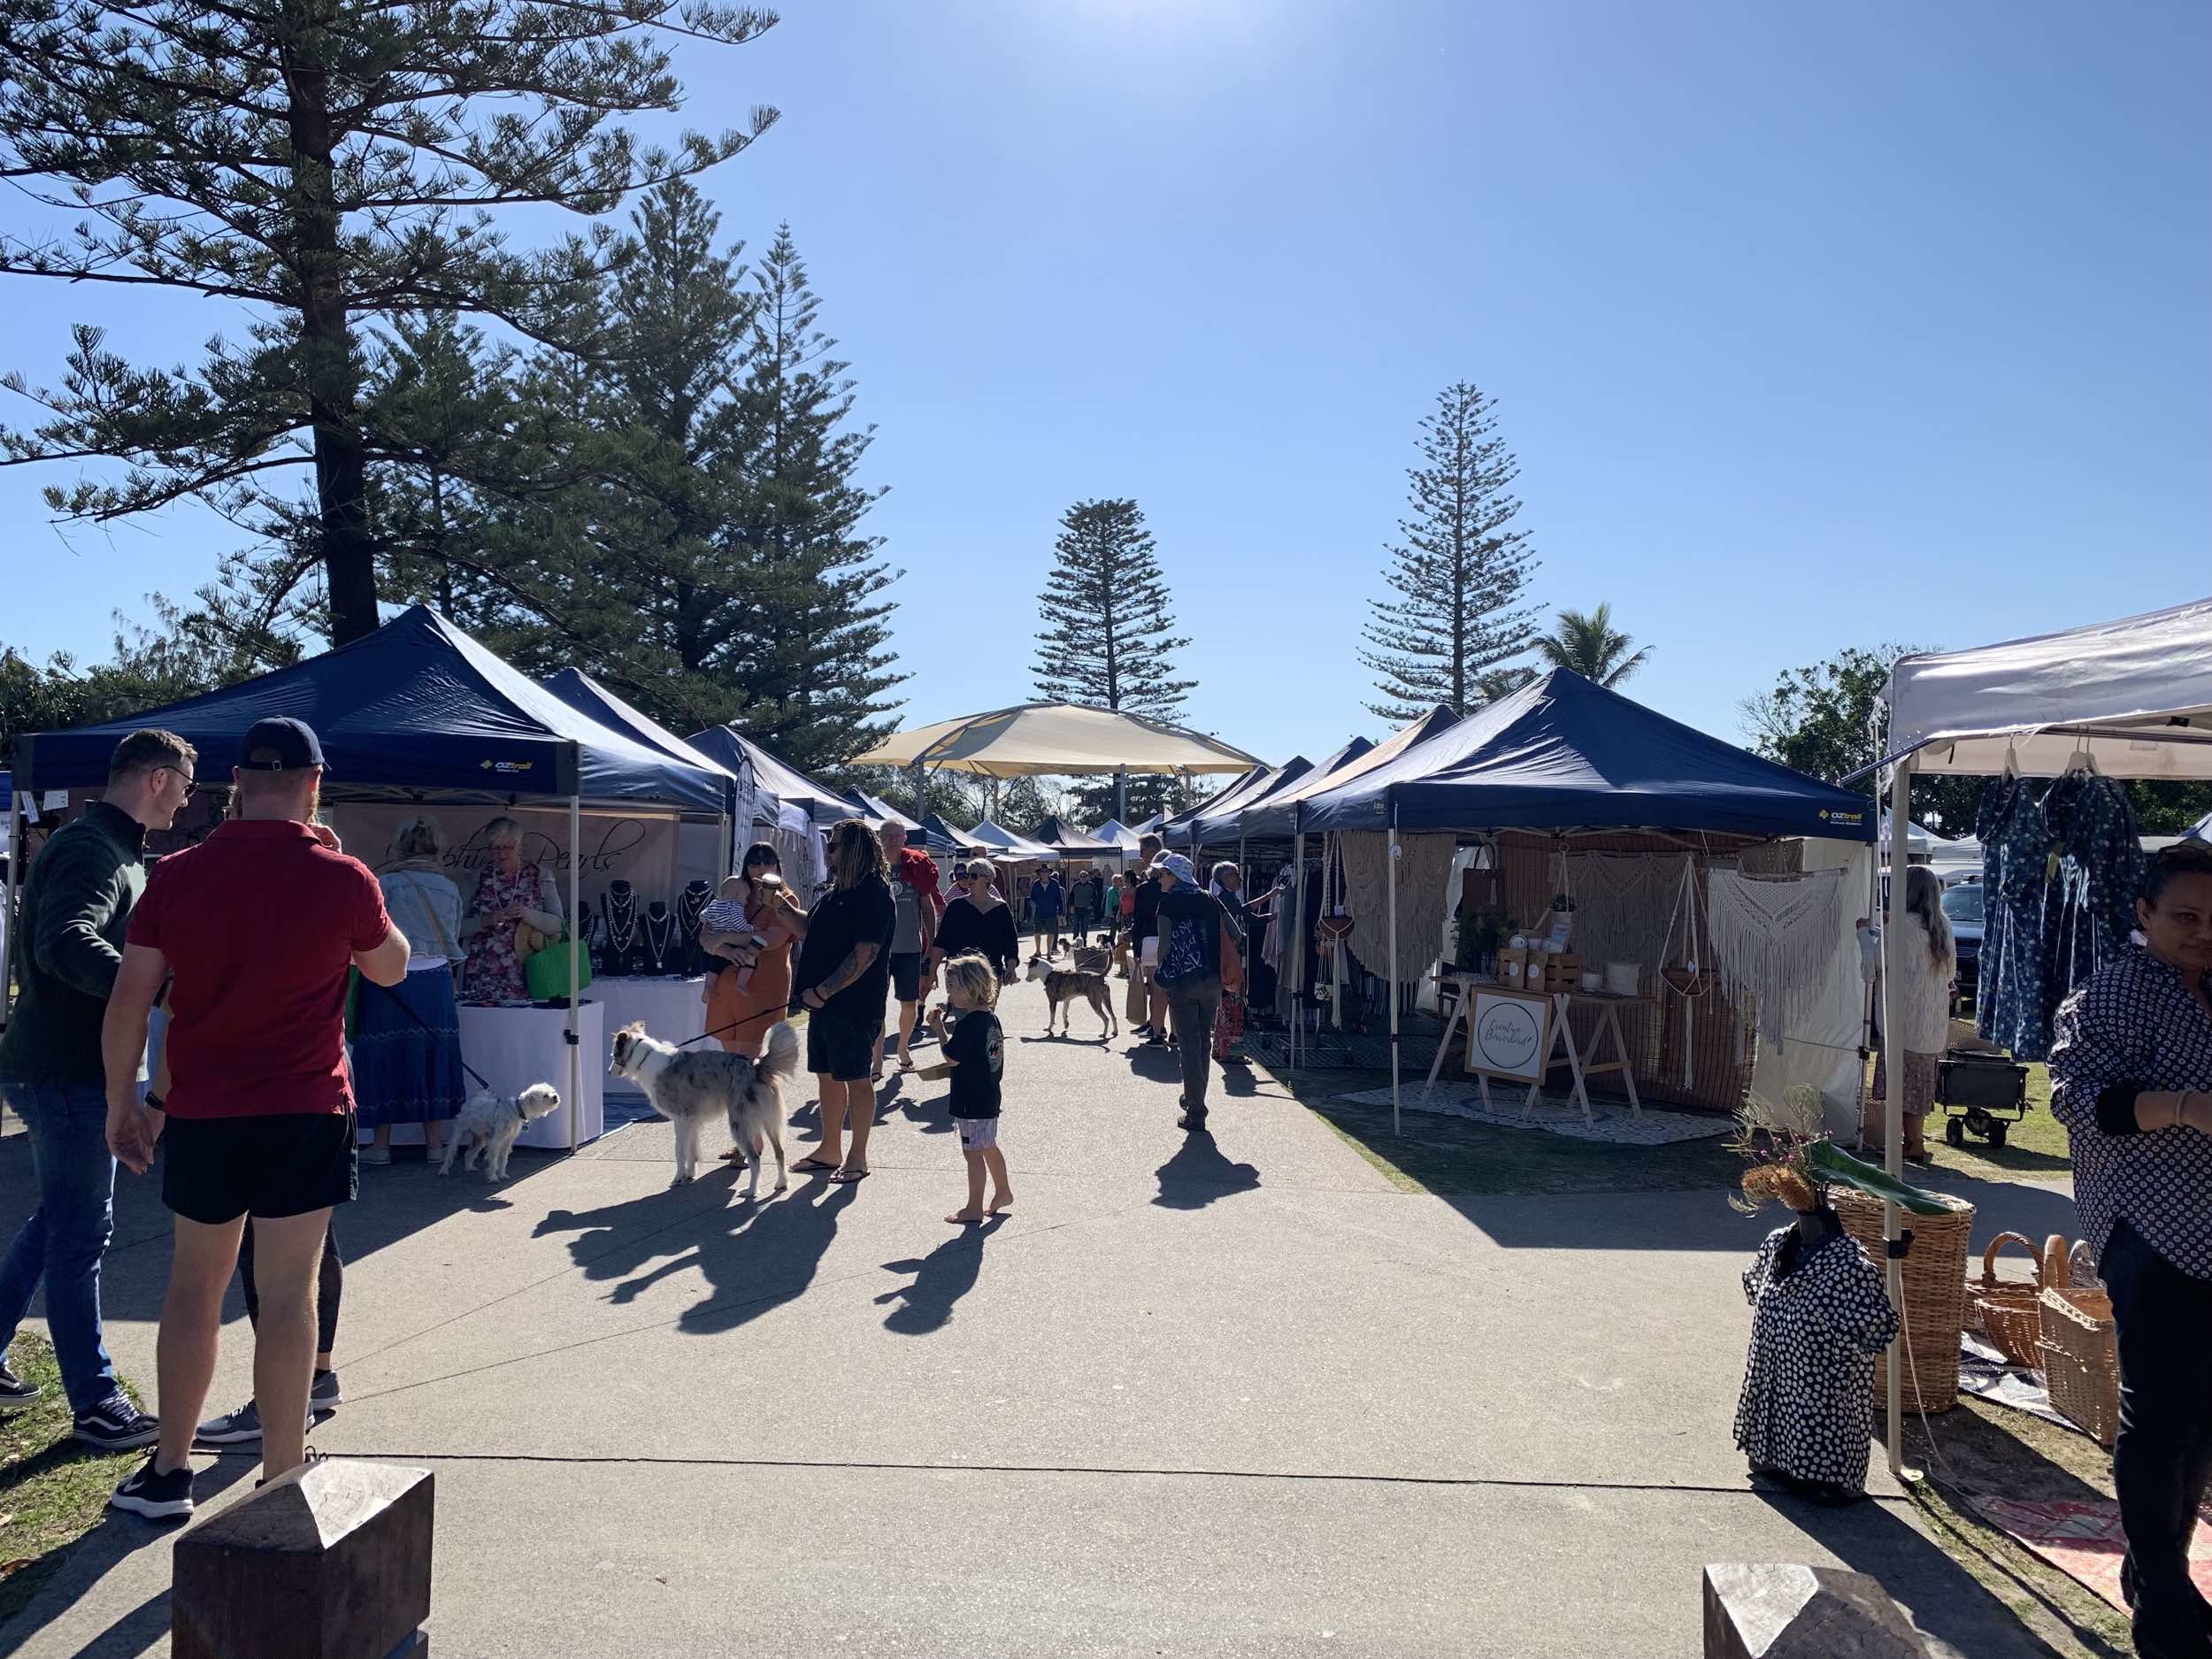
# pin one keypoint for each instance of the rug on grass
(1984, 1374)
(1609, 1120)
(2083, 1539)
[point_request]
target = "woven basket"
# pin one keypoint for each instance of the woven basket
(2081, 1359)
(1935, 1293)
(2010, 1314)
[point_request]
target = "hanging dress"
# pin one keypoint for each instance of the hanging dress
(1819, 1314)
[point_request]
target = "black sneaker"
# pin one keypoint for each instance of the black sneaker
(15, 1393)
(324, 1395)
(241, 1427)
(1195, 1122)
(156, 1497)
(117, 1426)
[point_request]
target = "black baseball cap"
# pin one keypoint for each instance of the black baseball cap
(279, 744)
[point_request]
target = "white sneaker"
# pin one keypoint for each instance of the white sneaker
(376, 1155)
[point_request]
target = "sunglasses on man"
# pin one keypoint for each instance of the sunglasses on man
(191, 784)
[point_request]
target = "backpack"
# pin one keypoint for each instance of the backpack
(1184, 953)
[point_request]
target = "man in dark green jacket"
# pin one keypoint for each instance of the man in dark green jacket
(68, 943)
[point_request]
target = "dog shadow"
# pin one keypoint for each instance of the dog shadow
(1199, 1173)
(941, 1278)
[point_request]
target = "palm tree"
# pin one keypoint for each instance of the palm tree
(1589, 646)
(1492, 684)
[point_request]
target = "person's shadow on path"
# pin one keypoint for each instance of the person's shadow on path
(941, 1278)
(1199, 1173)
(754, 1256)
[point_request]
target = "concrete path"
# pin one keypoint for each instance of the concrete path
(1221, 1397)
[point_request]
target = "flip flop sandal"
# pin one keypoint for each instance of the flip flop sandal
(815, 1166)
(846, 1178)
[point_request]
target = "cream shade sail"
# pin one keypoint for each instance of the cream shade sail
(1055, 739)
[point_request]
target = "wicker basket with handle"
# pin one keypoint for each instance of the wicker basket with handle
(2010, 1313)
(2080, 1348)
(1935, 1293)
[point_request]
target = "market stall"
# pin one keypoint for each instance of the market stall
(418, 716)
(788, 808)
(1057, 740)
(1604, 820)
(2130, 699)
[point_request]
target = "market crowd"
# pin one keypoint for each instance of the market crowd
(296, 1000)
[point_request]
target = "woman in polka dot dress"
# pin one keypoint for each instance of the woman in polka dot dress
(1819, 1313)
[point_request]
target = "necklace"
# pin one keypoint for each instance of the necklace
(621, 914)
(659, 930)
(690, 902)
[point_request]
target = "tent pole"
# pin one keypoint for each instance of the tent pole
(18, 846)
(1396, 1125)
(1894, 1064)
(1297, 958)
(1121, 794)
(575, 1040)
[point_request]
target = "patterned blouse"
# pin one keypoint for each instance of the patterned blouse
(2135, 1025)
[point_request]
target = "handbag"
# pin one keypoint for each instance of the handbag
(545, 973)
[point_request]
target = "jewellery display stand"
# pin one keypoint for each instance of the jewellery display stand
(625, 948)
(659, 948)
(690, 904)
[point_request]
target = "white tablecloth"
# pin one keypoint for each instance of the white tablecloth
(516, 1046)
(672, 1009)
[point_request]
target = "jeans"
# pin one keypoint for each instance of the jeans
(2162, 1458)
(62, 1243)
(1191, 1005)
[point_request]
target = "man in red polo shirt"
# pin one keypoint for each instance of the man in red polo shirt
(258, 924)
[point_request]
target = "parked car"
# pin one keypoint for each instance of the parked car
(1962, 907)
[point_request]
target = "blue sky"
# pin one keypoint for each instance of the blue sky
(1810, 325)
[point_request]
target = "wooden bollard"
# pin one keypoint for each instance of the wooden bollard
(329, 1562)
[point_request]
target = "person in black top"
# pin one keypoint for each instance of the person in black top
(1148, 1010)
(1198, 961)
(843, 975)
(975, 1059)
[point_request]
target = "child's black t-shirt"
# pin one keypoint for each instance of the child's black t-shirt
(980, 1048)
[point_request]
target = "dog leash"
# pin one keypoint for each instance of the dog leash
(482, 1082)
(779, 1013)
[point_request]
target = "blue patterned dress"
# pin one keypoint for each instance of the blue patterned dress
(2010, 1006)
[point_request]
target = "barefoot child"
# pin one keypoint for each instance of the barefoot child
(973, 1057)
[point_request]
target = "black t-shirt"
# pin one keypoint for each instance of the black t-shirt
(989, 933)
(1147, 911)
(1190, 922)
(863, 915)
(978, 1048)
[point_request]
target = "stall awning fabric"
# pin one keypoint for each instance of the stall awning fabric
(1564, 754)
(1281, 813)
(1058, 739)
(1186, 828)
(1003, 843)
(587, 695)
(417, 704)
(1117, 835)
(730, 748)
(878, 812)
(1230, 822)
(2135, 693)
(945, 839)
(1071, 842)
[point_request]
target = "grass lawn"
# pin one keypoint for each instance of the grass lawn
(1451, 1154)
(52, 1490)
(1985, 1450)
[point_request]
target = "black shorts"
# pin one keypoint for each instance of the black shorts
(906, 976)
(842, 1047)
(215, 1169)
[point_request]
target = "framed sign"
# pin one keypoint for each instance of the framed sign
(1507, 1033)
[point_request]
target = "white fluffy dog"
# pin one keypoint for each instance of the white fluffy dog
(690, 1087)
(493, 1121)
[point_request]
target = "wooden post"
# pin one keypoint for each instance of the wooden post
(329, 1562)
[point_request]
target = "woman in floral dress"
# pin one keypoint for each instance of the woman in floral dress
(509, 894)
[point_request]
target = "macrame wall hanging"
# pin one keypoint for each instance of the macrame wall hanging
(1773, 939)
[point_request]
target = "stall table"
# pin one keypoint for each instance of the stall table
(672, 1007)
(1562, 1036)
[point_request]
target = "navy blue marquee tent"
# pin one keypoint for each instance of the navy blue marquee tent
(417, 705)
(1562, 752)
(729, 747)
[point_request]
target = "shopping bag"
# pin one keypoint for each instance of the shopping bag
(546, 972)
